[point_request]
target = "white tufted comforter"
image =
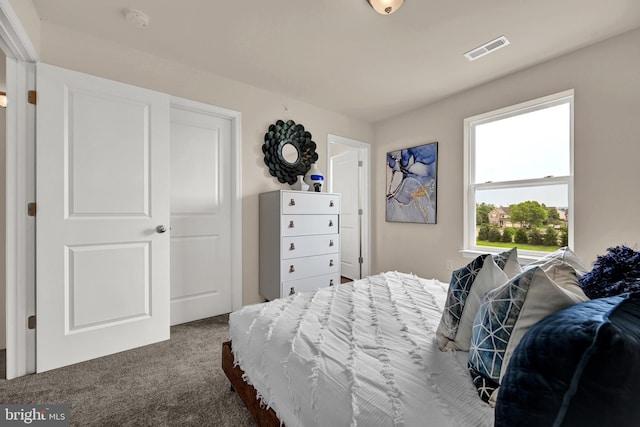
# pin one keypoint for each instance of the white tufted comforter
(357, 354)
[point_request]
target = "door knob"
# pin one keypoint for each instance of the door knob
(161, 229)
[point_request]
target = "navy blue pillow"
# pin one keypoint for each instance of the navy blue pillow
(616, 272)
(577, 367)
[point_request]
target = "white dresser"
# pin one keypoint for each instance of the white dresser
(299, 242)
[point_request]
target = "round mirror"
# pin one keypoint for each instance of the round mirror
(290, 153)
(288, 150)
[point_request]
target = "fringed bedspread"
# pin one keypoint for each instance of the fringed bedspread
(358, 354)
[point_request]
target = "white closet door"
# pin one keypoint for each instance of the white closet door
(200, 212)
(102, 176)
(346, 181)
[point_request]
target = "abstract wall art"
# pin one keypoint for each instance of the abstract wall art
(412, 184)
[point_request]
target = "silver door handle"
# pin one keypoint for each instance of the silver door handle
(161, 229)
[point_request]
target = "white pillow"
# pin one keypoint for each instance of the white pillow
(462, 283)
(511, 266)
(563, 255)
(489, 277)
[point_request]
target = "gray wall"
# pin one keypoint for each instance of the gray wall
(606, 79)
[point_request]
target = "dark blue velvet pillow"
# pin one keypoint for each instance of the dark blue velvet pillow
(577, 367)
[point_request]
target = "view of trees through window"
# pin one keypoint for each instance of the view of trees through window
(530, 225)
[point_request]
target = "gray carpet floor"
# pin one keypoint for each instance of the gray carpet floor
(178, 382)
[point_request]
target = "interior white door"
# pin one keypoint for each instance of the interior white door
(200, 212)
(102, 180)
(345, 180)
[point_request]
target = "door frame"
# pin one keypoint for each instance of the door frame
(20, 245)
(364, 153)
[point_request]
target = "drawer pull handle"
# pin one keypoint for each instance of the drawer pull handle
(291, 224)
(292, 269)
(331, 203)
(331, 282)
(330, 242)
(292, 203)
(330, 263)
(292, 247)
(330, 223)
(292, 291)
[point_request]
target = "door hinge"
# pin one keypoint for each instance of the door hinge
(32, 97)
(31, 322)
(360, 212)
(360, 260)
(360, 163)
(31, 209)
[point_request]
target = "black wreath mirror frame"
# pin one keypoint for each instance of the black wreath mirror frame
(281, 134)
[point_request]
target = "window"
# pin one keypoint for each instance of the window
(519, 166)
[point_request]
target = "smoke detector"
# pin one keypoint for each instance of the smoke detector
(137, 18)
(486, 48)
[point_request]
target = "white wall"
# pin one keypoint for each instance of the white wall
(3, 217)
(606, 79)
(3, 213)
(259, 108)
(29, 18)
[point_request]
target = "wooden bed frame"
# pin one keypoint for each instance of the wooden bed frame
(261, 415)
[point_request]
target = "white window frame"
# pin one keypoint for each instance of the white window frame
(470, 248)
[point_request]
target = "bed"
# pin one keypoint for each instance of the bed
(398, 350)
(362, 353)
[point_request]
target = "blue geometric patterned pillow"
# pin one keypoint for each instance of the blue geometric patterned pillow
(459, 289)
(507, 313)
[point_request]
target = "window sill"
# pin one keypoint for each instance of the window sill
(523, 258)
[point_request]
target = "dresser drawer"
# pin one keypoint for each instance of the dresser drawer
(304, 202)
(300, 225)
(297, 268)
(309, 284)
(303, 246)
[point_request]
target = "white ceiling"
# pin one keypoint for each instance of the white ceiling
(342, 55)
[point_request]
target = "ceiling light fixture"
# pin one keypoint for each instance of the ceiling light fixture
(385, 7)
(137, 18)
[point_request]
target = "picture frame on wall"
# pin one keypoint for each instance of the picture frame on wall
(412, 178)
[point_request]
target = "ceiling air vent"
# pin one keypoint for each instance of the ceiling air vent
(487, 48)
